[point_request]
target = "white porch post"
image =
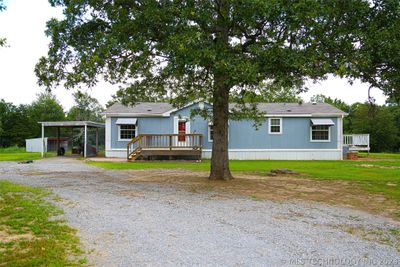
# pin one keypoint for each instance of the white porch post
(85, 146)
(42, 140)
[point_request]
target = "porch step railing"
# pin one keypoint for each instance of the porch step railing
(163, 142)
(356, 141)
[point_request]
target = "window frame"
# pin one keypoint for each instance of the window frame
(320, 141)
(119, 132)
(209, 133)
(280, 125)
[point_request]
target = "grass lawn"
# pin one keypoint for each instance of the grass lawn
(19, 153)
(343, 170)
(30, 234)
(379, 173)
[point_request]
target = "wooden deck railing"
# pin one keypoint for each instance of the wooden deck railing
(163, 142)
(356, 141)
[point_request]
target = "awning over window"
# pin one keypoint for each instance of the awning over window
(125, 121)
(328, 122)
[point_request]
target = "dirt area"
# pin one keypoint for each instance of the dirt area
(378, 166)
(278, 188)
(8, 236)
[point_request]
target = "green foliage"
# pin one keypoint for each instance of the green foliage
(379, 48)
(267, 93)
(380, 123)
(18, 123)
(39, 239)
(14, 124)
(45, 108)
(86, 108)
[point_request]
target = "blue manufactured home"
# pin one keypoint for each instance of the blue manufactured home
(312, 131)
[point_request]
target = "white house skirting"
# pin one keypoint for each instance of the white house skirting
(116, 153)
(254, 154)
(281, 154)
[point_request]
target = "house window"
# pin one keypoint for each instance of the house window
(275, 125)
(210, 133)
(320, 133)
(127, 132)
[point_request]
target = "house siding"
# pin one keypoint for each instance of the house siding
(295, 135)
(245, 142)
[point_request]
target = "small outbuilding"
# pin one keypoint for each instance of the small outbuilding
(50, 144)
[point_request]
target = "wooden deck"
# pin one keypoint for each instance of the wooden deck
(356, 142)
(147, 145)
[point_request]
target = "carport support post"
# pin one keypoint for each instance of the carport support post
(42, 140)
(58, 140)
(97, 140)
(85, 147)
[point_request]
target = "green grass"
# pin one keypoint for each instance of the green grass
(335, 170)
(393, 156)
(31, 234)
(19, 154)
(382, 177)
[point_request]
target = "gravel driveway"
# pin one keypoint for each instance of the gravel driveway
(148, 224)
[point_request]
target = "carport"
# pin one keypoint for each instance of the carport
(72, 124)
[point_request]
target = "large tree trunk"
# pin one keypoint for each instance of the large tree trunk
(220, 159)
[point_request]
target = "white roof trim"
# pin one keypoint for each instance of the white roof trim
(168, 113)
(72, 124)
(328, 122)
(303, 115)
(125, 121)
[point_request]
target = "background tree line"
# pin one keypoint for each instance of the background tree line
(18, 123)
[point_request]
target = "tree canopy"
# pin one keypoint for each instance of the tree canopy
(380, 123)
(86, 108)
(211, 50)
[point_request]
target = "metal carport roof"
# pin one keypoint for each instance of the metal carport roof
(72, 124)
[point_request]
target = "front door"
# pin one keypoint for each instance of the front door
(181, 131)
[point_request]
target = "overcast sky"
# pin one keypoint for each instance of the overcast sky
(23, 24)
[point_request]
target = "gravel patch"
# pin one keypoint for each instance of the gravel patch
(149, 224)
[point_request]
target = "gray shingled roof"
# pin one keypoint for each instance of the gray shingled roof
(296, 108)
(151, 108)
